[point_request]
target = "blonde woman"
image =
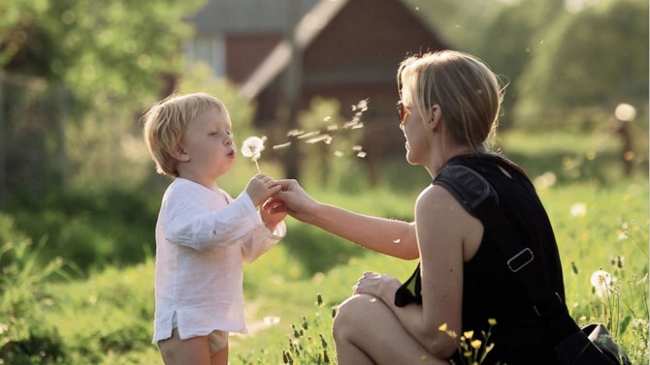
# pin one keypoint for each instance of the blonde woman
(449, 106)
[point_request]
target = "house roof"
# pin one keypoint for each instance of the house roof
(309, 27)
(234, 16)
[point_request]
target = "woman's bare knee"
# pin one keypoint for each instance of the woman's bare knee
(350, 314)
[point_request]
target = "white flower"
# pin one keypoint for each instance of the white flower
(579, 210)
(602, 281)
(625, 112)
(252, 148)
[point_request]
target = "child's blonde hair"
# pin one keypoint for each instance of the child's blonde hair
(467, 91)
(166, 122)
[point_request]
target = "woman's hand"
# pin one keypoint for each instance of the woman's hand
(273, 212)
(299, 204)
(377, 285)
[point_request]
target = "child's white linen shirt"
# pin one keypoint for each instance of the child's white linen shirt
(202, 237)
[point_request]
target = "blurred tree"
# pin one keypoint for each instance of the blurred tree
(582, 69)
(579, 77)
(462, 23)
(115, 48)
(324, 117)
(512, 39)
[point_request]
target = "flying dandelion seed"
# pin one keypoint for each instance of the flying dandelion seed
(579, 210)
(625, 112)
(307, 135)
(602, 282)
(252, 148)
(295, 133)
(281, 146)
(362, 154)
(322, 138)
(332, 127)
(622, 236)
(338, 153)
(396, 241)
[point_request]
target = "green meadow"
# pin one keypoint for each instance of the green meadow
(54, 312)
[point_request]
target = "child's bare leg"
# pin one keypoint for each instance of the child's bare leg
(194, 350)
(220, 357)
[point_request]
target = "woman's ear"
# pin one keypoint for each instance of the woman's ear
(435, 122)
(179, 154)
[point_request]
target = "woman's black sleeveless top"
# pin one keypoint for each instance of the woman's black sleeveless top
(489, 289)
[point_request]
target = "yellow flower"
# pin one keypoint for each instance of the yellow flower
(443, 327)
(492, 322)
(468, 335)
(476, 344)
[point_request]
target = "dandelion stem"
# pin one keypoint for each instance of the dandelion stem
(257, 165)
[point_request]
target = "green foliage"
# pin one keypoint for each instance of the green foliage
(89, 229)
(577, 71)
(25, 338)
(116, 48)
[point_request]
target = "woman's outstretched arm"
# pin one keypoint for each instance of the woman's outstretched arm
(388, 236)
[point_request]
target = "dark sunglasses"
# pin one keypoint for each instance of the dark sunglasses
(401, 112)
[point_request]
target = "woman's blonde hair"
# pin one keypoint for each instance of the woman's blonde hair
(466, 90)
(166, 122)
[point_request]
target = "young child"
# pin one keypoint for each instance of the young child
(202, 234)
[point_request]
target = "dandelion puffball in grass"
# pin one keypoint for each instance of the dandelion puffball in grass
(602, 282)
(579, 209)
(252, 148)
(625, 112)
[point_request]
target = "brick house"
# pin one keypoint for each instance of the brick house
(349, 50)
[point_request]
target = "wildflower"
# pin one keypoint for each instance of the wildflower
(476, 344)
(492, 322)
(602, 283)
(443, 327)
(468, 335)
(625, 112)
(252, 148)
(579, 210)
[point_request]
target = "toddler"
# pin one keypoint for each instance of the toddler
(202, 234)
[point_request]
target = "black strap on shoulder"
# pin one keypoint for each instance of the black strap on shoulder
(481, 200)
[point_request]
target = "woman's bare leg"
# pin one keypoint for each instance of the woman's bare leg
(194, 350)
(366, 331)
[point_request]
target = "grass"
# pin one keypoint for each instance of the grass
(106, 318)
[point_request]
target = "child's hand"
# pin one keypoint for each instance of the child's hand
(260, 188)
(273, 212)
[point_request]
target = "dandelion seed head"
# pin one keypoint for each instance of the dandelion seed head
(625, 112)
(602, 282)
(252, 147)
(578, 210)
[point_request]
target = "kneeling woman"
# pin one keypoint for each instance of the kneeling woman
(449, 106)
